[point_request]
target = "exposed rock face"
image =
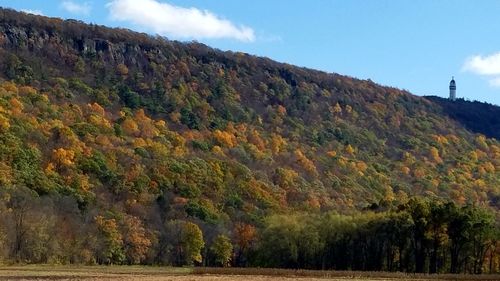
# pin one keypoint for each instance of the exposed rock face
(57, 45)
(68, 41)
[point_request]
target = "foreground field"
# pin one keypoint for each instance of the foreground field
(91, 273)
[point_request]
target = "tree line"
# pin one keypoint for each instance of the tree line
(419, 236)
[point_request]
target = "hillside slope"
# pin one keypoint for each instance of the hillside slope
(303, 135)
(116, 124)
(479, 117)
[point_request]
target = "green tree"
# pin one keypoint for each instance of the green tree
(130, 98)
(438, 237)
(186, 239)
(222, 250)
(419, 210)
(192, 242)
(481, 235)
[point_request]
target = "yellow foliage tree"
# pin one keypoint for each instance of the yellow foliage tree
(442, 140)
(255, 139)
(489, 167)
(277, 143)
(27, 90)
(349, 149)
(130, 127)
(285, 177)
(361, 166)
(99, 121)
(435, 155)
(217, 149)
(225, 138)
(4, 124)
(473, 156)
(336, 109)
(122, 69)
(331, 153)
(405, 170)
(97, 109)
(16, 106)
(10, 87)
(139, 142)
(307, 164)
(63, 157)
(481, 142)
(5, 174)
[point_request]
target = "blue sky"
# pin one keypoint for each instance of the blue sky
(413, 45)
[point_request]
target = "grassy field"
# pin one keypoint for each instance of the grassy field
(90, 273)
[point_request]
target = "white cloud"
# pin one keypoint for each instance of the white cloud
(34, 12)
(169, 20)
(485, 66)
(76, 8)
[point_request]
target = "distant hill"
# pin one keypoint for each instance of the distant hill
(304, 138)
(479, 117)
(123, 141)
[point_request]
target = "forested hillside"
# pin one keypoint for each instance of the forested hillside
(119, 147)
(476, 116)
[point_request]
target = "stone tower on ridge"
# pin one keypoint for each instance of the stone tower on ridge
(453, 89)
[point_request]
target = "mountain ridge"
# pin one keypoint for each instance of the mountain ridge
(147, 57)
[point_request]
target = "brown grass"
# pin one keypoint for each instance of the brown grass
(149, 273)
(342, 274)
(353, 275)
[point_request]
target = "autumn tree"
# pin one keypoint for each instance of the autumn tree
(135, 240)
(245, 236)
(111, 250)
(222, 250)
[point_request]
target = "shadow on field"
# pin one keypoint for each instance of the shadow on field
(340, 274)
